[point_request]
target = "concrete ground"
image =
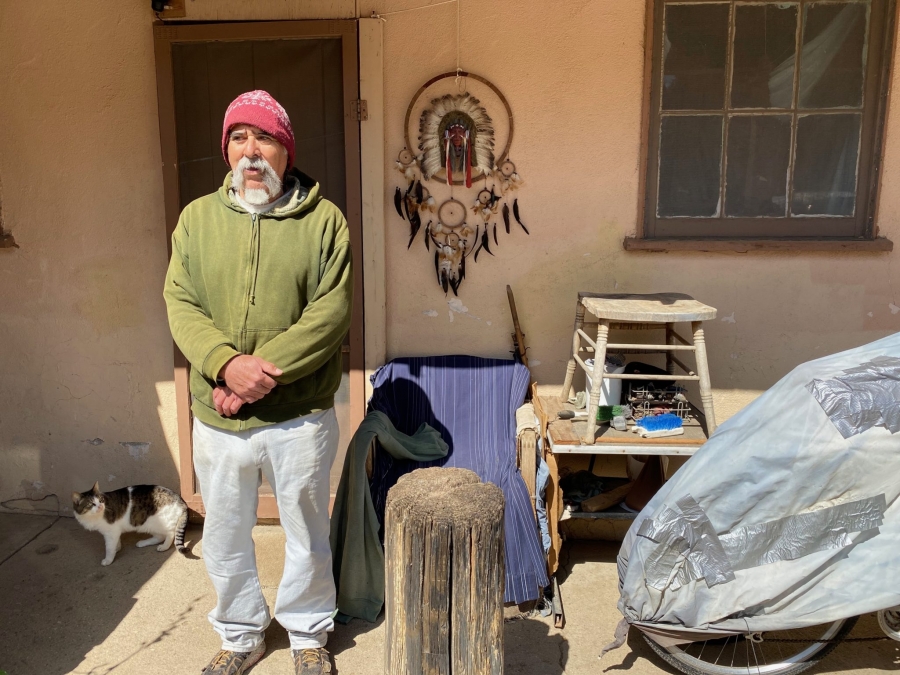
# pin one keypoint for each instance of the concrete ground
(61, 612)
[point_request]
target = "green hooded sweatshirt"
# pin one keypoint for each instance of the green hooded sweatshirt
(277, 285)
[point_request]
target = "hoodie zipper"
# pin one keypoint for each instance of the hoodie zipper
(252, 269)
(250, 284)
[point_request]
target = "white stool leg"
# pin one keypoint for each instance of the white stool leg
(703, 372)
(576, 346)
(597, 380)
(670, 340)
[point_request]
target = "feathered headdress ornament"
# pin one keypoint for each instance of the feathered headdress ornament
(461, 116)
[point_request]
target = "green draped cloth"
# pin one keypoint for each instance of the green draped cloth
(357, 554)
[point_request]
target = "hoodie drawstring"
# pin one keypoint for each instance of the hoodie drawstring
(255, 233)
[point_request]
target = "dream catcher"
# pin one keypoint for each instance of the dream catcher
(455, 155)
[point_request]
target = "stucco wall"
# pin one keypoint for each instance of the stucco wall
(573, 77)
(86, 358)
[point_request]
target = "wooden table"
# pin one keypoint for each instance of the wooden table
(564, 438)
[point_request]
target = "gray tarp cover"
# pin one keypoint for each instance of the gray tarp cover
(778, 521)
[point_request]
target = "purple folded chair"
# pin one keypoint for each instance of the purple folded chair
(472, 402)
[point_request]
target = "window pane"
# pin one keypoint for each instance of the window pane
(695, 41)
(765, 40)
(759, 147)
(833, 54)
(825, 165)
(690, 155)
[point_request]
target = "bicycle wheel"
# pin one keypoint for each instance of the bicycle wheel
(756, 653)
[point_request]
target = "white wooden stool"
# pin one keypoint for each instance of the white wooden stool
(640, 312)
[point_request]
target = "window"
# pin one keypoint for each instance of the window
(765, 118)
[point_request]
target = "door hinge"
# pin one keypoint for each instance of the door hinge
(359, 110)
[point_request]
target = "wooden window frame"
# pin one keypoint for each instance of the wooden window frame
(818, 233)
(165, 35)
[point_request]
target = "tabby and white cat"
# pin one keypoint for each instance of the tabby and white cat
(138, 508)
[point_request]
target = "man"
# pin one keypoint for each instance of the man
(259, 291)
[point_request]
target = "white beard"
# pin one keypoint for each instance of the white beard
(271, 181)
(257, 197)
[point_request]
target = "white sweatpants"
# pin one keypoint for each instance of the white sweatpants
(296, 457)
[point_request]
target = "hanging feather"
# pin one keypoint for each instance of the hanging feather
(477, 251)
(437, 244)
(419, 193)
(468, 161)
(406, 207)
(428, 236)
(398, 200)
(486, 241)
(506, 216)
(449, 166)
(516, 214)
(414, 224)
(437, 264)
(495, 234)
(462, 268)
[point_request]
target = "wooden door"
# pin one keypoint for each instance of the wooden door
(310, 67)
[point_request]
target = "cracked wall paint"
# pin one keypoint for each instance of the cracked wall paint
(729, 319)
(457, 307)
(430, 313)
(894, 309)
(137, 450)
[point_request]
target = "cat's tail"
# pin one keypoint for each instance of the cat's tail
(180, 527)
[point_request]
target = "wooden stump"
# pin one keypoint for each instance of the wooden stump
(444, 575)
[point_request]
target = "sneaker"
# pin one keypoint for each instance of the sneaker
(234, 663)
(311, 661)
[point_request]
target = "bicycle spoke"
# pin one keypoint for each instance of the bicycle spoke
(721, 652)
(751, 645)
(795, 650)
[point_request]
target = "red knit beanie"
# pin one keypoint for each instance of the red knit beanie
(260, 110)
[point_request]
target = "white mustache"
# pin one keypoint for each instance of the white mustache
(270, 180)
